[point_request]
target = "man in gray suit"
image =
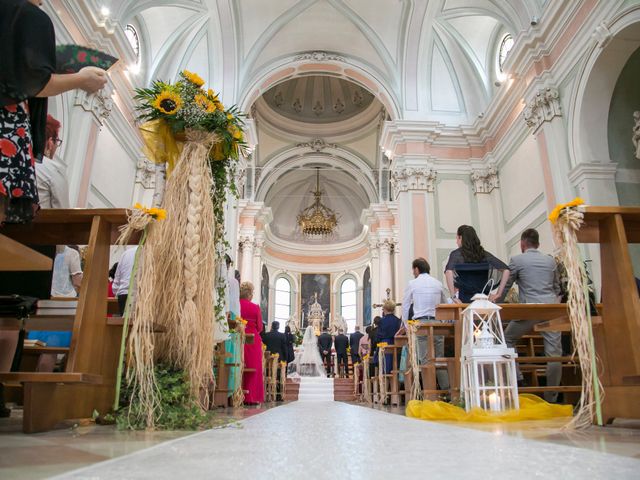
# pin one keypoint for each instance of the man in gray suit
(537, 279)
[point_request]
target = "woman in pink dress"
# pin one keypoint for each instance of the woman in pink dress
(252, 380)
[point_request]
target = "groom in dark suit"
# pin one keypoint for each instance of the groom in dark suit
(342, 343)
(325, 342)
(276, 342)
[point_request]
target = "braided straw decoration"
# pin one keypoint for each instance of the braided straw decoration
(412, 358)
(238, 394)
(137, 220)
(569, 223)
(366, 381)
(273, 378)
(382, 382)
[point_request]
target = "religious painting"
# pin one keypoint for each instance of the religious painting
(315, 287)
(264, 295)
(366, 294)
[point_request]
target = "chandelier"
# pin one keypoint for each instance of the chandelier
(317, 219)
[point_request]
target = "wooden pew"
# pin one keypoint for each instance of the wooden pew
(88, 382)
(617, 338)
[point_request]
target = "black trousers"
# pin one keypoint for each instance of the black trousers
(342, 360)
(355, 358)
(122, 303)
(326, 359)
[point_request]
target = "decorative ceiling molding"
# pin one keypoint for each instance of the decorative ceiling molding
(317, 145)
(485, 180)
(544, 107)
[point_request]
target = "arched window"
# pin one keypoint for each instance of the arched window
(348, 303)
(283, 302)
(505, 47)
(134, 40)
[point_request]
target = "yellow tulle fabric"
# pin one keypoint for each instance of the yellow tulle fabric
(160, 144)
(532, 407)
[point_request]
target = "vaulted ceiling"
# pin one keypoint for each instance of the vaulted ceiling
(436, 57)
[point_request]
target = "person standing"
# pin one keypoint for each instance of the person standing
(341, 343)
(51, 174)
(325, 342)
(67, 273)
(123, 277)
(354, 344)
(538, 282)
(276, 341)
(290, 344)
(252, 380)
(470, 251)
(389, 326)
(27, 78)
(424, 292)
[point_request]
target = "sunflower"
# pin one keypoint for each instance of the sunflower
(230, 117)
(167, 102)
(193, 78)
(219, 105)
(203, 102)
(235, 132)
(555, 214)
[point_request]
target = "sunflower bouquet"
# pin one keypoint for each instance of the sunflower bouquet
(175, 108)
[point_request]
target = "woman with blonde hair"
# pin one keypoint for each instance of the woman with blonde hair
(252, 380)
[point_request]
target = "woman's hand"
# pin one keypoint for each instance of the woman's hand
(92, 79)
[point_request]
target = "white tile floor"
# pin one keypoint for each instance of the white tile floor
(333, 440)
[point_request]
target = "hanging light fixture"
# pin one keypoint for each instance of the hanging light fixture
(317, 220)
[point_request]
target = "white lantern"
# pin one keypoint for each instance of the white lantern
(488, 365)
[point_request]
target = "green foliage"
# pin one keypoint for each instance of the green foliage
(177, 410)
(297, 339)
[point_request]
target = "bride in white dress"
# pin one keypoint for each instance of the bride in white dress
(308, 362)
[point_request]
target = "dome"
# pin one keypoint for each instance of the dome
(318, 99)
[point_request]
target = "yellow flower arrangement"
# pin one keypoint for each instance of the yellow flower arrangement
(283, 364)
(229, 116)
(555, 214)
(156, 213)
(203, 102)
(242, 320)
(365, 358)
(235, 132)
(167, 102)
(382, 344)
(264, 347)
(275, 355)
(193, 78)
(413, 322)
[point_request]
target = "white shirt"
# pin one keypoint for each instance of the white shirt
(65, 265)
(53, 187)
(425, 292)
(233, 293)
(123, 272)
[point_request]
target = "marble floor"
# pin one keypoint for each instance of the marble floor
(323, 440)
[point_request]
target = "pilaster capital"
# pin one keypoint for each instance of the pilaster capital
(146, 173)
(99, 104)
(544, 107)
(405, 179)
(484, 180)
(246, 242)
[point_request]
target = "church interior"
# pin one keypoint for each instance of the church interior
(250, 179)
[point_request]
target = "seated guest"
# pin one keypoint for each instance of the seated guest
(123, 278)
(469, 254)
(252, 381)
(325, 342)
(425, 292)
(341, 343)
(354, 344)
(537, 278)
(389, 326)
(275, 341)
(67, 277)
(51, 174)
(365, 343)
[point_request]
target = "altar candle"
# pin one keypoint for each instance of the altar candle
(494, 402)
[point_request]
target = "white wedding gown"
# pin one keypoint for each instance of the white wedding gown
(308, 362)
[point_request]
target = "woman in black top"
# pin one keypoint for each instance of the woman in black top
(470, 251)
(27, 78)
(290, 342)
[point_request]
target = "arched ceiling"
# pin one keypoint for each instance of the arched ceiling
(292, 192)
(436, 57)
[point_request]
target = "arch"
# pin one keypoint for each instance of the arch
(319, 63)
(284, 300)
(347, 299)
(588, 142)
(299, 156)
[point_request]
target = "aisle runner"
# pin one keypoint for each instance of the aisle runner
(334, 440)
(316, 389)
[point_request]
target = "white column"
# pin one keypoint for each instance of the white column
(386, 280)
(543, 114)
(485, 182)
(246, 272)
(257, 268)
(87, 116)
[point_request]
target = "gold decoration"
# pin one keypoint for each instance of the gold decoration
(317, 219)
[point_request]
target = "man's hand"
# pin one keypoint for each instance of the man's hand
(494, 296)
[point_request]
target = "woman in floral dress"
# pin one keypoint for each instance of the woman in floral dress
(27, 78)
